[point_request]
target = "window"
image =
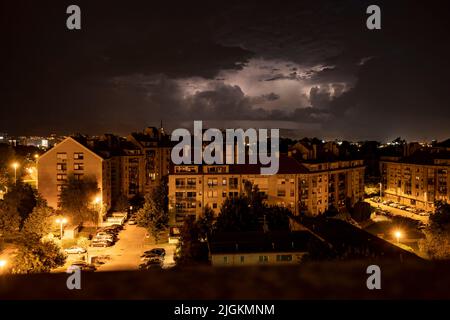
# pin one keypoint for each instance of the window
(284, 257)
(78, 166)
(233, 182)
(281, 193)
(212, 182)
(62, 156)
(214, 205)
(78, 155)
(191, 182)
(224, 181)
(225, 260)
(180, 183)
(61, 166)
(78, 176)
(263, 259)
(61, 177)
(212, 194)
(242, 259)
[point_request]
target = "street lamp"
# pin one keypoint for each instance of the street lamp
(381, 185)
(15, 165)
(3, 264)
(98, 207)
(398, 235)
(61, 222)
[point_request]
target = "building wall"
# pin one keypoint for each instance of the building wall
(310, 193)
(59, 162)
(415, 185)
(248, 259)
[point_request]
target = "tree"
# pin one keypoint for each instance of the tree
(40, 221)
(361, 211)
(154, 214)
(249, 211)
(441, 216)
(22, 197)
(205, 223)
(236, 214)
(436, 244)
(9, 219)
(121, 204)
(277, 218)
(37, 256)
(190, 250)
(77, 197)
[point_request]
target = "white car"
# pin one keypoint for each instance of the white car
(75, 250)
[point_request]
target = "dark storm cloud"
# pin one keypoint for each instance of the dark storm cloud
(309, 64)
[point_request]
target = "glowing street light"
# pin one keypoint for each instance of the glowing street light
(61, 222)
(398, 234)
(3, 264)
(15, 165)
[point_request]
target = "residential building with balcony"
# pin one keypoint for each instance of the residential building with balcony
(304, 188)
(417, 180)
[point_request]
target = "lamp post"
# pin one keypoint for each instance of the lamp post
(61, 222)
(97, 207)
(15, 165)
(381, 185)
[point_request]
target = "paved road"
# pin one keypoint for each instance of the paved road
(399, 212)
(126, 253)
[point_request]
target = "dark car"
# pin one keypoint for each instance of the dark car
(150, 265)
(157, 251)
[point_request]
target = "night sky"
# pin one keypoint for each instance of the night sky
(310, 68)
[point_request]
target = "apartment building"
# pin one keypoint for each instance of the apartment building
(72, 157)
(304, 188)
(417, 180)
(155, 147)
(122, 166)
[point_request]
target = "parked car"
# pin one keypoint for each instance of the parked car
(411, 210)
(402, 207)
(101, 243)
(84, 266)
(150, 265)
(387, 202)
(131, 222)
(393, 205)
(75, 250)
(158, 251)
(104, 235)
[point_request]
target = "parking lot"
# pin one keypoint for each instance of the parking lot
(126, 252)
(398, 212)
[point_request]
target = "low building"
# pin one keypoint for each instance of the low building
(259, 248)
(417, 180)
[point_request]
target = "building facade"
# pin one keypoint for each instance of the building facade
(308, 189)
(417, 182)
(72, 158)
